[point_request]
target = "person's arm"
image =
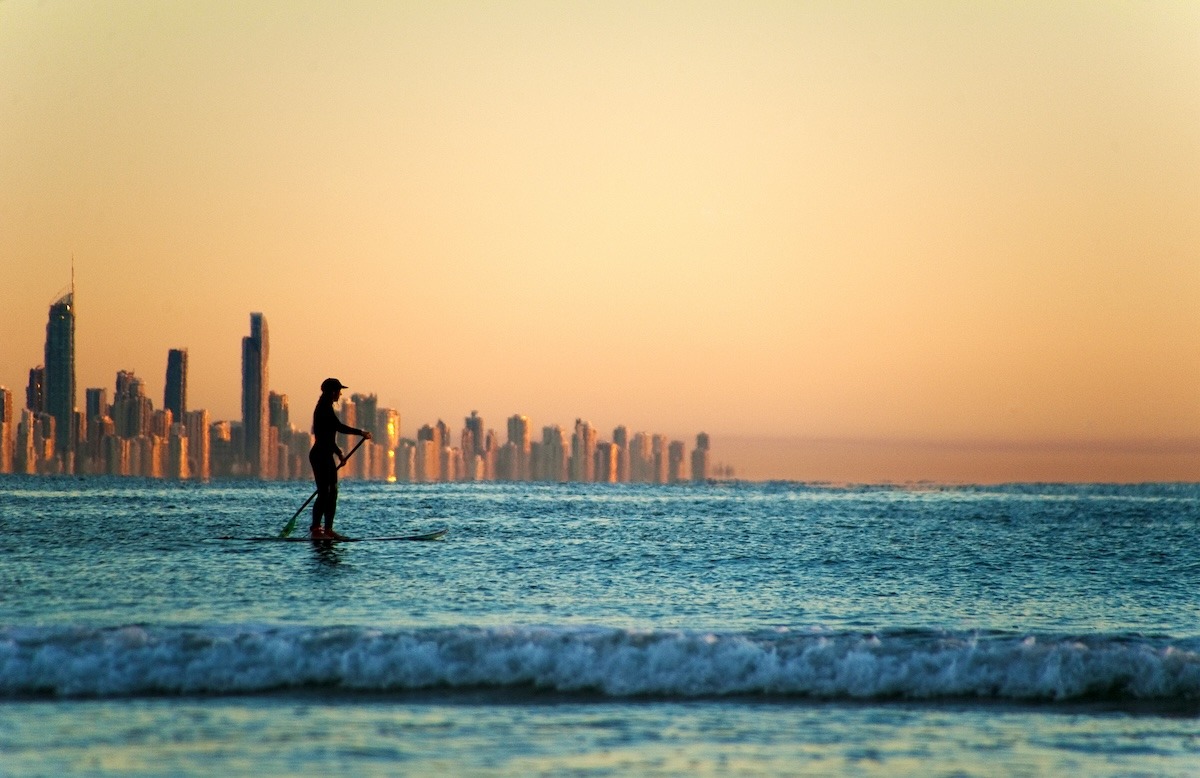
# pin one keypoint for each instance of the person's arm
(346, 429)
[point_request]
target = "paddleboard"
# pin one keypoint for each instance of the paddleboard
(437, 534)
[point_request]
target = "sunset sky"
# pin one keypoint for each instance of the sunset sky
(971, 229)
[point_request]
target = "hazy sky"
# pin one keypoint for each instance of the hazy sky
(964, 222)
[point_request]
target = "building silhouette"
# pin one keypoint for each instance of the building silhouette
(7, 431)
(700, 459)
(175, 394)
(554, 455)
(131, 438)
(60, 377)
(199, 448)
(518, 448)
(583, 452)
(35, 390)
(255, 409)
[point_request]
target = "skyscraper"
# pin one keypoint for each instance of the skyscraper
(198, 445)
(621, 441)
(7, 430)
(255, 410)
(583, 452)
(280, 414)
(35, 390)
(519, 439)
(700, 459)
(473, 440)
(676, 454)
(60, 377)
(97, 403)
(132, 410)
(555, 455)
(175, 395)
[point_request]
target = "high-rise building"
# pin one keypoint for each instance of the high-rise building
(223, 451)
(255, 410)
(132, 411)
(175, 395)
(583, 452)
(388, 424)
(479, 450)
(606, 467)
(621, 441)
(199, 445)
(129, 385)
(279, 415)
(700, 459)
(658, 446)
(35, 390)
(91, 446)
(366, 410)
(8, 433)
(426, 459)
(519, 439)
(676, 455)
(177, 457)
(97, 403)
(161, 423)
(430, 442)
(555, 455)
(641, 459)
(60, 376)
(25, 454)
(406, 462)
(473, 437)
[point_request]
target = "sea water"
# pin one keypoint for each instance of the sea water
(776, 628)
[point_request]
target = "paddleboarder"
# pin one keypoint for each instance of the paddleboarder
(326, 425)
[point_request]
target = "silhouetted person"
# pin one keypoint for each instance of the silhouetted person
(326, 426)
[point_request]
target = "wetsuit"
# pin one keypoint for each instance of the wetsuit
(326, 426)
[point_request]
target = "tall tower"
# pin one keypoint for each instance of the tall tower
(519, 439)
(7, 430)
(473, 426)
(255, 409)
(700, 459)
(35, 390)
(583, 452)
(60, 376)
(175, 395)
(280, 415)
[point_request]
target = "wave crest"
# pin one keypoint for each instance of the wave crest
(911, 665)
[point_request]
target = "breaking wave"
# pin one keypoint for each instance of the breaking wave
(132, 661)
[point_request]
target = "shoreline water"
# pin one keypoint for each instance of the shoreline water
(774, 628)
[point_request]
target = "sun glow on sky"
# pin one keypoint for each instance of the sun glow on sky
(900, 223)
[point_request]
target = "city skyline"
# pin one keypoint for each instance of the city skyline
(130, 437)
(887, 242)
(752, 458)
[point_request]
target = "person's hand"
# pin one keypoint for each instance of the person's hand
(342, 458)
(367, 435)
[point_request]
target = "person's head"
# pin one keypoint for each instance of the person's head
(332, 388)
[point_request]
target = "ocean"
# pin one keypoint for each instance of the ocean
(726, 629)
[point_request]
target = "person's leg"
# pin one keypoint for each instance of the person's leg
(331, 503)
(325, 476)
(320, 507)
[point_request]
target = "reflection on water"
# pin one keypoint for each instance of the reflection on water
(326, 552)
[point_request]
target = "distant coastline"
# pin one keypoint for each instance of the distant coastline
(765, 458)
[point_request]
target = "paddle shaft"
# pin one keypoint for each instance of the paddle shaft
(291, 525)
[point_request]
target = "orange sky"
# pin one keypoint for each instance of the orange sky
(960, 224)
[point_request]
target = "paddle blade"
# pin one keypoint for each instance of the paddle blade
(291, 525)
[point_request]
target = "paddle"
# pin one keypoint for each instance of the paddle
(291, 525)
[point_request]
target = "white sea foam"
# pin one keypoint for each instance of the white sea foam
(915, 665)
